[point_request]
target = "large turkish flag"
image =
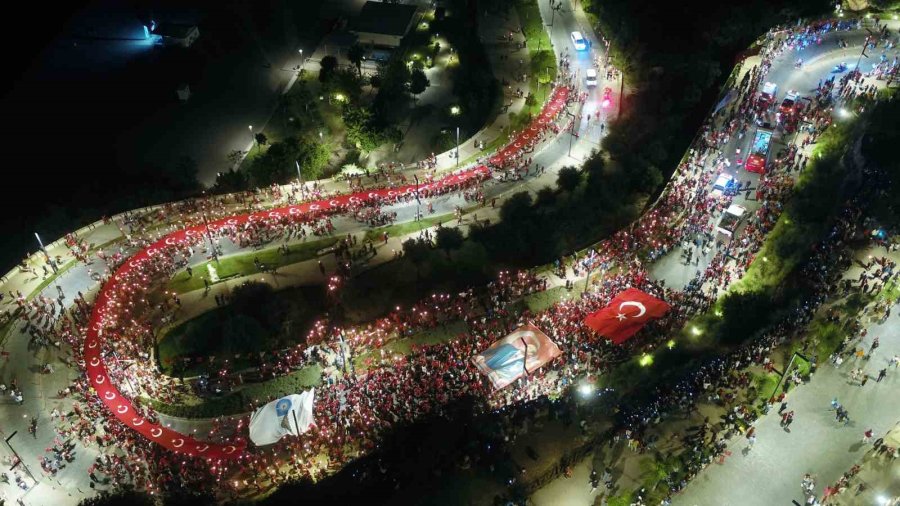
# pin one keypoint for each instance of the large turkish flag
(626, 314)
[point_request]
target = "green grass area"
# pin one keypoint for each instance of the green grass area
(542, 66)
(409, 227)
(243, 264)
(765, 385)
(404, 346)
(889, 293)
(7, 326)
(239, 401)
(258, 319)
(541, 301)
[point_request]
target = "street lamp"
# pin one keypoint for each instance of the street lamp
(457, 147)
(320, 135)
(46, 255)
(454, 110)
(251, 135)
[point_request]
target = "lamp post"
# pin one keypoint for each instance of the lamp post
(46, 255)
(19, 459)
(865, 45)
(454, 111)
(457, 147)
(299, 176)
(251, 135)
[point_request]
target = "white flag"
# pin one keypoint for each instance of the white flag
(292, 415)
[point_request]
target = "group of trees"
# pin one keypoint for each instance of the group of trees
(257, 319)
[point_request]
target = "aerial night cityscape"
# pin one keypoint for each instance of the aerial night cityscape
(451, 252)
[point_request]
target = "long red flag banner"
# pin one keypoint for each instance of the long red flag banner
(109, 306)
(626, 314)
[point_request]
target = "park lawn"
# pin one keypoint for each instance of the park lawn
(540, 51)
(404, 346)
(239, 401)
(541, 301)
(401, 229)
(223, 333)
(243, 264)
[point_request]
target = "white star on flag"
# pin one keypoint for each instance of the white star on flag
(621, 316)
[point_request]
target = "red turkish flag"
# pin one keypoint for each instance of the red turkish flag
(627, 313)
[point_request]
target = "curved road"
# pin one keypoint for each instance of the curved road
(71, 483)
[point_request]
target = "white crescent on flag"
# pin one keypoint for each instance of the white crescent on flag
(642, 309)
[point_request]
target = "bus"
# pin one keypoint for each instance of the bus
(759, 151)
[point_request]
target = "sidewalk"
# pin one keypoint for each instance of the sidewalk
(878, 473)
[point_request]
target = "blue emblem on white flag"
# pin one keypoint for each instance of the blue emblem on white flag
(283, 406)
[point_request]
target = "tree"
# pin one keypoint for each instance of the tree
(356, 54)
(448, 239)
(418, 82)
(180, 177)
(327, 66)
(417, 251)
(313, 156)
(568, 179)
(517, 209)
(235, 157)
(261, 140)
(231, 181)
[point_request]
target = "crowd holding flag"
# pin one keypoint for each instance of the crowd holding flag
(289, 415)
(523, 351)
(627, 313)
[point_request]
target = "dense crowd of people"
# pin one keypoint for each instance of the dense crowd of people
(356, 408)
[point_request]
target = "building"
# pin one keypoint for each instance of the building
(383, 24)
(170, 34)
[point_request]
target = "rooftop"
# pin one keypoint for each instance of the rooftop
(384, 18)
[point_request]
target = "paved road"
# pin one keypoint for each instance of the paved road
(771, 472)
(71, 482)
(819, 61)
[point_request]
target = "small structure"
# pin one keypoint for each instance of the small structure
(171, 34)
(383, 24)
(184, 92)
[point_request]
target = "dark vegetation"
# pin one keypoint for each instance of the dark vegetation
(68, 119)
(256, 319)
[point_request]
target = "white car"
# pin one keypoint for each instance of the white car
(731, 219)
(578, 41)
(590, 77)
(723, 183)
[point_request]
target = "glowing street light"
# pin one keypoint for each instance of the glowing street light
(696, 331)
(585, 389)
(645, 360)
(454, 110)
(670, 344)
(339, 97)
